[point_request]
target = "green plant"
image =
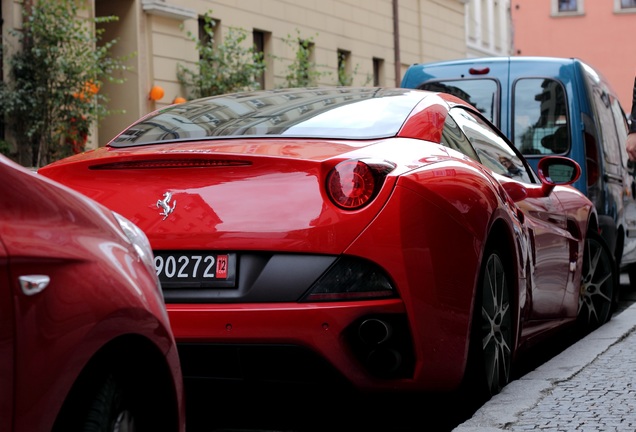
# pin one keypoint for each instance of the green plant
(5, 148)
(303, 71)
(222, 68)
(52, 95)
(344, 78)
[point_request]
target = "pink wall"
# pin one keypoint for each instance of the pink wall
(599, 37)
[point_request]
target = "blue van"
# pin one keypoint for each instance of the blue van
(553, 106)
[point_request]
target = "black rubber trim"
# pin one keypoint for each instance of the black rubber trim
(262, 277)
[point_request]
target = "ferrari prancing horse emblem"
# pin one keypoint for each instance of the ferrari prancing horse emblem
(165, 205)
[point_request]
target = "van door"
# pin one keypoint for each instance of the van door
(549, 269)
(629, 191)
(616, 185)
(482, 84)
(541, 121)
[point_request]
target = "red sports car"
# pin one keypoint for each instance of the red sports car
(86, 340)
(390, 237)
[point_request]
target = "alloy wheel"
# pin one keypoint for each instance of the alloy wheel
(598, 284)
(496, 325)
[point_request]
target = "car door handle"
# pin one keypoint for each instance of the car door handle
(33, 284)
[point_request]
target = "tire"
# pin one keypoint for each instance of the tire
(110, 410)
(490, 360)
(125, 387)
(599, 291)
(631, 272)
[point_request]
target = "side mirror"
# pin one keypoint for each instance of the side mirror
(558, 170)
(553, 171)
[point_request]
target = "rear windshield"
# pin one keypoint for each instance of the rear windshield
(480, 93)
(541, 119)
(325, 113)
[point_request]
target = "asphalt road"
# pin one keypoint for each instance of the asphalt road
(232, 409)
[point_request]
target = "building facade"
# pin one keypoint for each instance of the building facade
(488, 27)
(598, 32)
(379, 39)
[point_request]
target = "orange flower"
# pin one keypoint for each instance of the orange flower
(89, 89)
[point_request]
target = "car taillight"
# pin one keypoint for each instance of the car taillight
(351, 278)
(352, 184)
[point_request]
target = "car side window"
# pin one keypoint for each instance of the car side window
(541, 119)
(482, 93)
(453, 137)
(491, 148)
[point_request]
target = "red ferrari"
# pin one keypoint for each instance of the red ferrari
(390, 237)
(86, 340)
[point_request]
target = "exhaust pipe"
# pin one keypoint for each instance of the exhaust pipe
(384, 361)
(374, 331)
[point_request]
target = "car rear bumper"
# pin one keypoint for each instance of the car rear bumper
(365, 344)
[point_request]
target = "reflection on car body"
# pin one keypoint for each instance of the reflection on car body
(553, 106)
(346, 214)
(87, 343)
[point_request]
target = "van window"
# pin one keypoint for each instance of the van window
(482, 93)
(621, 128)
(603, 102)
(492, 150)
(541, 120)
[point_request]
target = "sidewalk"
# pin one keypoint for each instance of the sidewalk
(590, 386)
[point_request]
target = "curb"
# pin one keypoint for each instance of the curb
(523, 394)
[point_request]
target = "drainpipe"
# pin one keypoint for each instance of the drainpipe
(396, 45)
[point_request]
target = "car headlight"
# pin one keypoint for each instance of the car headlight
(140, 242)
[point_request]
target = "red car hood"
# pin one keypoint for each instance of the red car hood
(255, 194)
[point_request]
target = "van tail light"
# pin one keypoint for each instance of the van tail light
(479, 71)
(354, 183)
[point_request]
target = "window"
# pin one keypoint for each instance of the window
(345, 77)
(605, 108)
(209, 31)
(567, 7)
(261, 46)
(480, 93)
(306, 55)
(541, 119)
(453, 137)
(492, 150)
(625, 6)
(378, 72)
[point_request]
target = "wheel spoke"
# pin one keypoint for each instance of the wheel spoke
(597, 285)
(593, 260)
(496, 325)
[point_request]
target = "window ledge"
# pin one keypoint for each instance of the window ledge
(161, 8)
(567, 14)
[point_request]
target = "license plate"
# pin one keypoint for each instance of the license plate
(179, 269)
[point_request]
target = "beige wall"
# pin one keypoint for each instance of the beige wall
(429, 30)
(155, 31)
